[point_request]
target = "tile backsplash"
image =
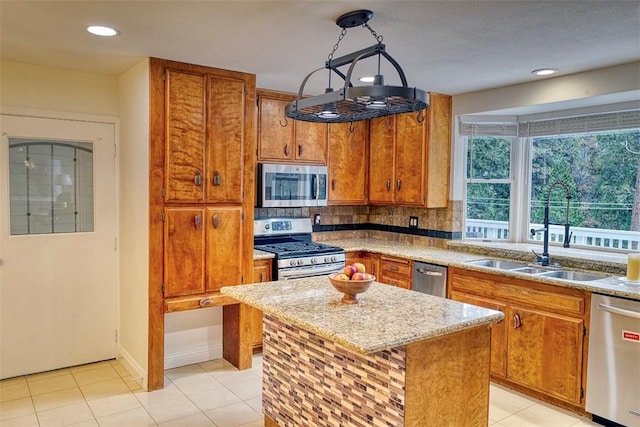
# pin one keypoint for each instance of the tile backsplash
(435, 226)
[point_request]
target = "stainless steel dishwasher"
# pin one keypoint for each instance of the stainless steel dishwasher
(430, 279)
(613, 373)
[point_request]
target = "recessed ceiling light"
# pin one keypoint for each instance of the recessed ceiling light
(367, 79)
(545, 71)
(100, 30)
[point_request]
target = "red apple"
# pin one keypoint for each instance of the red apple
(360, 268)
(359, 276)
(349, 270)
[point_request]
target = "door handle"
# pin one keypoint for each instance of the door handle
(620, 311)
(286, 150)
(262, 277)
(197, 180)
(333, 184)
(197, 221)
(398, 183)
(394, 268)
(216, 178)
(216, 221)
(517, 321)
(388, 185)
(300, 150)
(429, 273)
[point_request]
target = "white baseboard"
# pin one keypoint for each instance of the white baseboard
(129, 363)
(197, 355)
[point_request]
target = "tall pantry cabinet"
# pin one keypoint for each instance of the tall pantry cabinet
(202, 136)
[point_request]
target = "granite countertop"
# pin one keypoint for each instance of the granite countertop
(613, 265)
(257, 255)
(386, 316)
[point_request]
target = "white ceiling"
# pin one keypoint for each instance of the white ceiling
(453, 46)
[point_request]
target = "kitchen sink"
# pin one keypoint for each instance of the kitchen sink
(497, 263)
(578, 276)
(528, 269)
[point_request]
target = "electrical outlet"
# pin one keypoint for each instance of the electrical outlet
(413, 222)
(316, 218)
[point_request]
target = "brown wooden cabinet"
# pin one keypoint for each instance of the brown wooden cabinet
(409, 160)
(204, 137)
(284, 140)
(261, 273)
(348, 163)
(202, 144)
(541, 346)
(203, 249)
(396, 271)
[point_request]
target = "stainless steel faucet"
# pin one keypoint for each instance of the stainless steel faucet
(544, 258)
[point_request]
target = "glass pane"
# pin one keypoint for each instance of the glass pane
(487, 213)
(50, 186)
(600, 171)
(488, 157)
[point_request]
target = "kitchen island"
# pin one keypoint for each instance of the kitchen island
(398, 358)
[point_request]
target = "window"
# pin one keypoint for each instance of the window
(50, 186)
(600, 172)
(585, 168)
(488, 187)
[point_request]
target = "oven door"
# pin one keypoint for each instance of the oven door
(310, 271)
(282, 185)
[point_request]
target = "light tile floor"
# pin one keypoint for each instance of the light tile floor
(212, 394)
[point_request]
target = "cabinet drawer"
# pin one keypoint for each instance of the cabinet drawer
(527, 292)
(396, 266)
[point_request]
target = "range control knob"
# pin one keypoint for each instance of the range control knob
(314, 261)
(300, 262)
(292, 262)
(327, 259)
(334, 258)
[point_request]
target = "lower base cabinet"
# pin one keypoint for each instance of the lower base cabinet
(261, 273)
(371, 261)
(541, 346)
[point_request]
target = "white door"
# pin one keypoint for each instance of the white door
(58, 222)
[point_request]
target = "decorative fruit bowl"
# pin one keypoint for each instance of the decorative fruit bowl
(351, 287)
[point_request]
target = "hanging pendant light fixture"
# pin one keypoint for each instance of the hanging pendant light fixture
(353, 103)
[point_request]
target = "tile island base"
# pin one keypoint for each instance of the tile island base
(309, 380)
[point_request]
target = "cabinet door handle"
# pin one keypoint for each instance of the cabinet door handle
(394, 268)
(398, 183)
(216, 178)
(216, 221)
(197, 180)
(388, 185)
(286, 150)
(333, 184)
(517, 321)
(197, 221)
(300, 150)
(262, 277)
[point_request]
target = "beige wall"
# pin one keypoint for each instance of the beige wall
(133, 159)
(57, 90)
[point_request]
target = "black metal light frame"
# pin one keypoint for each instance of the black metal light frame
(354, 103)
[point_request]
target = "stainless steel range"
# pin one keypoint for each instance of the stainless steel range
(296, 255)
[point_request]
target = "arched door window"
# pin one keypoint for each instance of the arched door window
(50, 186)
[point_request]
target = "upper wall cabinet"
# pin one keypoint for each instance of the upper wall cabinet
(348, 163)
(204, 125)
(285, 140)
(409, 160)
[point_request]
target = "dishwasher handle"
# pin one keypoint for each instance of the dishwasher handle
(620, 311)
(429, 272)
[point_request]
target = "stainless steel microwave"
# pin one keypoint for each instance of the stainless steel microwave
(285, 185)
